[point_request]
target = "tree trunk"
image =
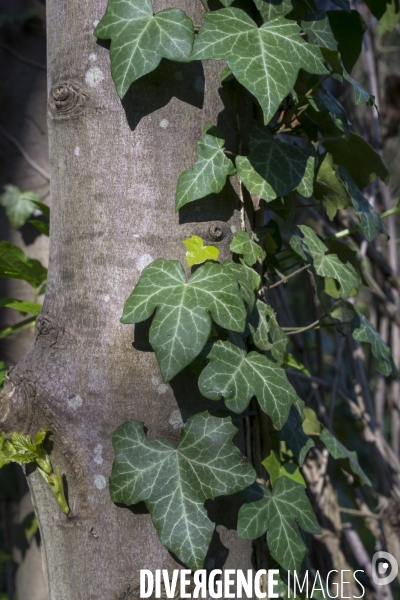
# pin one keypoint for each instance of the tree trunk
(114, 167)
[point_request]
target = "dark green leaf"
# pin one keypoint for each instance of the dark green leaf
(363, 331)
(337, 450)
(359, 158)
(266, 60)
(348, 29)
(182, 323)
(248, 280)
(174, 483)
(273, 8)
(141, 39)
(274, 168)
(42, 227)
(209, 173)
(284, 512)
(370, 221)
(293, 434)
(236, 376)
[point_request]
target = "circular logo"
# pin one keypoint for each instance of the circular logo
(384, 568)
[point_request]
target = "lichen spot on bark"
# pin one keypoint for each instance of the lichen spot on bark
(164, 123)
(100, 482)
(94, 77)
(75, 401)
(143, 261)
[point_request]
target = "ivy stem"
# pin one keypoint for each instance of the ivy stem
(296, 330)
(345, 232)
(285, 279)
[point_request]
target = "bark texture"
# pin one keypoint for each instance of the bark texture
(114, 167)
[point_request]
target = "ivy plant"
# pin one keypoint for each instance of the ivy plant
(216, 319)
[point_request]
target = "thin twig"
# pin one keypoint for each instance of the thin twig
(359, 513)
(285, 279)
(24, 153)
(296, 330)
(28, 61)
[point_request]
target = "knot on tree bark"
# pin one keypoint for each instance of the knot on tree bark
(67, 100)
(47, 331)
(17, 402)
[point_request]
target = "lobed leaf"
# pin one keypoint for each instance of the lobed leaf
(338, 451)
(370, 221)
(283, 513)
(14, 264)
(266, 333)
(182, 322)
(265, 60)
(329, 188)
(236, 376)
(197, 253)
(141, 39)
(294, 435)
(318, 29)
(208, 175)
(175, 482)
(276, 470)
(274, 168)
(250, 251)
(18, 205)
(363, 331)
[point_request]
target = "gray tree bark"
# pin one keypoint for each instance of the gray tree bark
(114, 167)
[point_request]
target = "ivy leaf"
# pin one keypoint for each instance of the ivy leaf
(236, 376)
(197, 253)
(317, 27)
(293, 434)
(248, 280)
(343, 4)
(242, 244)
(6, 450)
(270, 9)
(18, 205)
(141, 39)
(266, 333)
(337, 450)
(360, 160)
(284, 512)
(265, 60)
(40, 226)
(14, 264)
(182, 322)
(276, 469)
(327, 265)
(329, 188)
(322, 100)
(31, 308)
(272, 168)
(390, 17)
(348, 29)
(174, 483)
(226, 3)
(370, 221)
(335, 61)
(208, 175)
(363, 331)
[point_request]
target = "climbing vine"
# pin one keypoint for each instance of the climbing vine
(217, 321)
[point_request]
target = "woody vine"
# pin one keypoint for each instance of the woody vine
(220, 320)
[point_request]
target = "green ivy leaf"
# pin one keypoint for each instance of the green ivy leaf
(390, 17)
(250, 251)
(363, 331)
(348, 29)
(293, 434)
(208, 175)
(40, 226)
(266, 60)
(322, 100)
(359, 158)
(14, 264)
(197, 253)
(327, 265)
(282, 513)
(335, 61)
(343, 4)
(226, 3)
(370, 221)
(266, 333)
(248, 280)
(317, 27)
(273, 168)
(269, 10)
(18, 205)
(182, 323)
(276, 470)
(31, 308)
(141, 39)
(329, 188)
(174, 483)
(236, 376)
(338, 451)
